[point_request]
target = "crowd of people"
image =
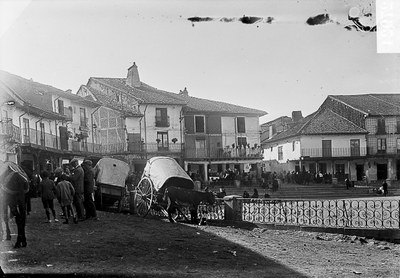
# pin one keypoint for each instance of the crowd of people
(74, 190)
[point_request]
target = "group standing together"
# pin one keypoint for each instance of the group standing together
(74, 191)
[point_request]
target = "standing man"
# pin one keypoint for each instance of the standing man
(385, 188)
(88, 185)
(77, 180)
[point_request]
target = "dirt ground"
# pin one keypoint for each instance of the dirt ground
(120, 245)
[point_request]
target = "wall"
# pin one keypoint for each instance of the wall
(150, 131)
(229, 134)
(338, 142)
(288, 152)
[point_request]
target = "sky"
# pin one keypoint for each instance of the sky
(278, 64)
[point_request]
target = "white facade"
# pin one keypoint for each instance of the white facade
(230, 134)
(150, 132)
(284, 152)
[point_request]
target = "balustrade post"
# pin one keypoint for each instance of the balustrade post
(233, 209)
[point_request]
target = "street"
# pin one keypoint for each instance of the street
(122, 245)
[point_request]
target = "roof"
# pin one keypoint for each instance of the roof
(108, 102)
(211, 106)
(149, 95)
(322, 122)
(144, 94)
(279, 119)
(37, 96)
(372, 104)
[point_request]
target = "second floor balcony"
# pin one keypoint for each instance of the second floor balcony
(9, 132)
(334, 152)
(224, 153)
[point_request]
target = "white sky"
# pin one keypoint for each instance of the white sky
(279, 67)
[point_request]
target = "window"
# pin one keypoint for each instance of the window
(240, 125)
(60, 106)
(26, 130)
(398, 126)
(83, 119)
(161, 117)
(398, 145)
(355, 147)
(326, 148)
(382, 145)
(199, 124)
(280, 153)
(381, 126)
(293, 145)
(242, 141)
(162, 141)
(42, 138)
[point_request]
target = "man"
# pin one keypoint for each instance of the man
(384, 188)
(77, 180)
(88, 186)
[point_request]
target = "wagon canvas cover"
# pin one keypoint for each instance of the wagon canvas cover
(111, 171)
(165, 171)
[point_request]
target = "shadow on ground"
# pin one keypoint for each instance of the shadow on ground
(122, 245)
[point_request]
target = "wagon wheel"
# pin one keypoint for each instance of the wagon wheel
(144, 196)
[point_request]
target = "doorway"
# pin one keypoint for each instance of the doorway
(360, 171)
(381, 170)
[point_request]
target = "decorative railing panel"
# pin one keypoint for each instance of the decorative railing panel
(380, 214)
(214, 212)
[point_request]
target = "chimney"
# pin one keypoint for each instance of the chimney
(132, 79)
(69, 91)
(184, 92)
(296, 116)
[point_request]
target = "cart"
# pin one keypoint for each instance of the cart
(159, 173)
(110, 176)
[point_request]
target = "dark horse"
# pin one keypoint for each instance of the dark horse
(14, 183)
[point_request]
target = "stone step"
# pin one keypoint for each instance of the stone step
(314, 191)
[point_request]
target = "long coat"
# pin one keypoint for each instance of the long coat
(65, 193)
(77, 179)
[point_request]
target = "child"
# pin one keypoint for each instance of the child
(65, 195)
(47, 189)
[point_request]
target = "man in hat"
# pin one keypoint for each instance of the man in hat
(88, 185)
(77, 180)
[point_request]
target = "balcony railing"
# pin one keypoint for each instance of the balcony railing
(224, 153)
(10, 132)
(334, 152)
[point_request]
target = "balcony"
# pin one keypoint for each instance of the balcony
(224, 153)
(333, 152)
(9, 132)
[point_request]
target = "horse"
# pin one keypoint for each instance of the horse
(14, 184)
(176, 197)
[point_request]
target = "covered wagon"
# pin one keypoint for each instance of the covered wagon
(110, 175)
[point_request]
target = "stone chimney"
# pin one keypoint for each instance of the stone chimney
(132, 79)
(184, 92)
(296, 116)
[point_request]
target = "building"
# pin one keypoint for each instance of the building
(358, 135)
(42, 126)
(322, 142)
(220, 136)
(145, 121)
(379, 114)
(276, 126)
